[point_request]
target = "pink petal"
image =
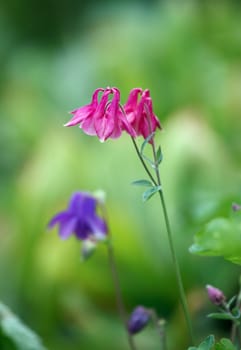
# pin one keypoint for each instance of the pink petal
(85, 112)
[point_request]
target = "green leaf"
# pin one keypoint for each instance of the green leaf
(220, 237)
(231, 301)
(150, 192)
(225, 344)
(146, 183)
(149, 161)
(159, 155)
(221, 316)
(13, 328)
(207, 344)
(146, 142)
(236, 313)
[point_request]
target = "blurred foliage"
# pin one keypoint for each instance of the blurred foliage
(16, 333)
(220, 237)
(52, 58)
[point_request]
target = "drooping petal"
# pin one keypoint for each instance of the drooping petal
(98, 227)
(85, 112)
(103, 122)
(80, 114)
(58, 218)
(140, 113)
(131, 104)
(104, 127)
(67, 227)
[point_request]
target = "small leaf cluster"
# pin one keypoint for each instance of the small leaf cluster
(229, 311)
(210, 344)
(152, 189)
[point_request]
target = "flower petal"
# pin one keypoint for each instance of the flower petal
(67, 227)
(98, 227)
(85, 112)
(58, 218)
(82, 204)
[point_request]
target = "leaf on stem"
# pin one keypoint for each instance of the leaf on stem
(146, 142)
(231, 301)
(159, 155)
(207, 344)
(150, 192)
(146, 183)
(221, 316)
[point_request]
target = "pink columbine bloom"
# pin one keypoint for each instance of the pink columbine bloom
(103, 118)
(139, 112)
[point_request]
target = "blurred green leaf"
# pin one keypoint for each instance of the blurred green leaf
(207, 344)
(220, 237)
(225, 344)
(221, 316)
(22, 336)
(159, 155)
(146, 142)
(142, 183)
(150, 192)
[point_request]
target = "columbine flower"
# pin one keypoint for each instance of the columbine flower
(215, 295)
(140, 113)
(138, 319)
(80, 218)
(103, 118)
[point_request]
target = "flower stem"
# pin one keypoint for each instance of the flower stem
(157, 182)
(119, 298)
(235, 325)
(160, 327)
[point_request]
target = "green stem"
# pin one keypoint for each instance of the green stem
(160, 327)
(177, 269)
(119, 298)
(170, 237)
(235, 325)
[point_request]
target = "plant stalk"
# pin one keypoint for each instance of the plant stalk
(157, 182)
(119, 298)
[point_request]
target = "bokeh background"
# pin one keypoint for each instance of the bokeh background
(53, 55)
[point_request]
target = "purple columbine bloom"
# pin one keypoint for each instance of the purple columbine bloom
(80, 218)
(138, 319)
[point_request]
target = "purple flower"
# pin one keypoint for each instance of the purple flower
(215, 295)
(138, 319)
(80, 218)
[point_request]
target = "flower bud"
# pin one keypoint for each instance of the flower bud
(87, 249)
(215, 295)
(236, 206)
(138, 319)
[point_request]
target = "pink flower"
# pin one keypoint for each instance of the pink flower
(103, 118)
(140, 113)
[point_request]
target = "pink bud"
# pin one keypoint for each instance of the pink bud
(215, 295)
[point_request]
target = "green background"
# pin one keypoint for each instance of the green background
(53, 56)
